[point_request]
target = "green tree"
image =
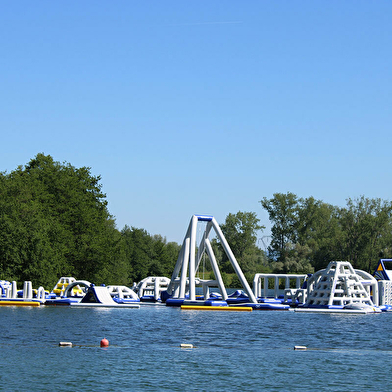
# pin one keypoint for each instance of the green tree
(148, 255)
(55, 222)
(240, 231)
(318, 229)
(283, 213)
(164, 256)
(138, 245)
(367, 228)
(309, 232)
(296, 262)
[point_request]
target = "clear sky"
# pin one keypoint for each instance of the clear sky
(201, 107)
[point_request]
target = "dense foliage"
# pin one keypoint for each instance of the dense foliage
(307, 233)
(54, 222)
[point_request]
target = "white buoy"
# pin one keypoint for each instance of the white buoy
(303, 348)
(65, 344)
(186, 345)
(14, 290)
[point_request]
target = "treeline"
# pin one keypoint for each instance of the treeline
(307, 233)
(54, 222)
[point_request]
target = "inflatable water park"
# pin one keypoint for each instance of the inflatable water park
(339, 288)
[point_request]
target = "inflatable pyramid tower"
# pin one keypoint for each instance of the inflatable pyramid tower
(337, 286)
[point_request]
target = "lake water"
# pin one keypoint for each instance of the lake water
(235, 351)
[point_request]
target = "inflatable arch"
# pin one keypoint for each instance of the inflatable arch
(76, 284)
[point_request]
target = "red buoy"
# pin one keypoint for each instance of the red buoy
(104, 342)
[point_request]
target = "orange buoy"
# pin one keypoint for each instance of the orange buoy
(104, 342)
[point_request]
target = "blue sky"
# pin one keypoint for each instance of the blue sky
(201, 107)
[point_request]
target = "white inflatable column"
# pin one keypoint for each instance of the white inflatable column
(192, 263)
(156, 288)
(257, 285)
(14, 290)
(27, 290)
(184, 269)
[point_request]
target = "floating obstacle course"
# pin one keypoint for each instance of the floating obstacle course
(337, 288)
(11, 296)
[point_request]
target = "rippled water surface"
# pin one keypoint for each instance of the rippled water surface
(234, 351)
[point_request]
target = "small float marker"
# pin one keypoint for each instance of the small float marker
(65, 344)
(104, 342)
(303, 348)
(186, 345)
